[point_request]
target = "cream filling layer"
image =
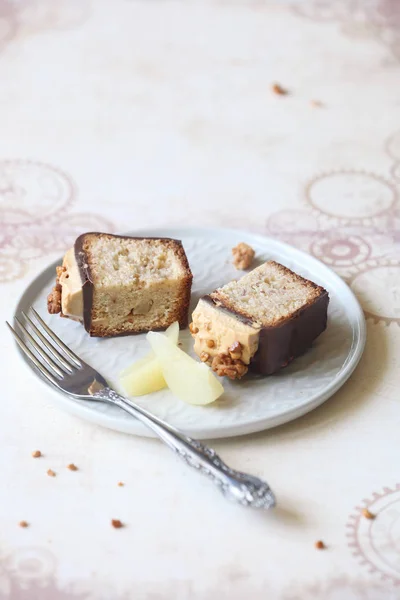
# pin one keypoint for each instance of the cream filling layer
(71, 288)
(218, 330)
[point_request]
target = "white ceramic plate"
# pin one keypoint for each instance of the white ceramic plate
(251, 405)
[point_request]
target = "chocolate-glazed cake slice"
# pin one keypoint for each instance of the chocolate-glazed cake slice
(119, 285)
(261, 322)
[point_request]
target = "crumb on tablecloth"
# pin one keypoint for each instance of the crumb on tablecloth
(278, 89)
(72, 467)
(116, 523)
(23, 524)
(320, 545)
(36, 454)
(120, 484)
(51, 473)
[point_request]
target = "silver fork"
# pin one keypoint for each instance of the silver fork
(63, 369)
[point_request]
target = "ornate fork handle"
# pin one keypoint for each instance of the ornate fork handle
(241, 487)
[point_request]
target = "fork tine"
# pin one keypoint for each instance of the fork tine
(67, 366)
(50, 363)
(32, 357)
(57, 340)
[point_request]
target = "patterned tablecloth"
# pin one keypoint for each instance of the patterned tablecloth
(123, 114)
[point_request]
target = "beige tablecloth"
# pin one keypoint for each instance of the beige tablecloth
(123, 114)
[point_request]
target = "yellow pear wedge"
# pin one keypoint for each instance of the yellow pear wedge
(189, 380)
(145, 375)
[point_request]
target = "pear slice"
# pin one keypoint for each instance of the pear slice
(188, 380)
(145, 375)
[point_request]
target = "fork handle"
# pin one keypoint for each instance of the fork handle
(244, 489)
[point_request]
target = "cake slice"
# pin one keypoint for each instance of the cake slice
(119, 285)
(261, 322)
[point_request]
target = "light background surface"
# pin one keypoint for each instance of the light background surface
(147, 113)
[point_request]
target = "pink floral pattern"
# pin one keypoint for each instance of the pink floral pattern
(351, 222)
(35, 204)
(376, 542)
(27, 17)
(31, 574)
(379, 19)
(392, 147)
(341, 588)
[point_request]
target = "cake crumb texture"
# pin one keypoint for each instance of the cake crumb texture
(269, 294)
(138, 284)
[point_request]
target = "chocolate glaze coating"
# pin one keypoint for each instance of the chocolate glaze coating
(279, 345)
(86, 279)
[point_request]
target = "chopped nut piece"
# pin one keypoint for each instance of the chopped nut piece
(72, 467)
(36, 454)
(51, 473)
(223, 365)
(210, 343)
(54, 302)
(193, 329)
(243, 256)
(59, 271)
(54, 298)
(367, 514)
(204, 357)
(278, 89)
(235, 351)
(116, 523)
(120, 483)
(241, 368)
(231, 373)
(23, 524)
(320, 545)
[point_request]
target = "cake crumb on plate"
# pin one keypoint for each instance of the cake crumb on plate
(243, 256)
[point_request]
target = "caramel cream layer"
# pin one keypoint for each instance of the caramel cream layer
(71, 288)
(218, 330)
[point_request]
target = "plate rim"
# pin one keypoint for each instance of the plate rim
(82, 409)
